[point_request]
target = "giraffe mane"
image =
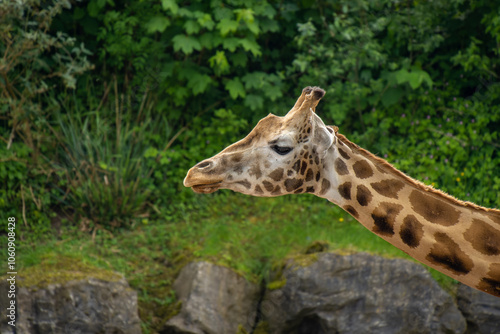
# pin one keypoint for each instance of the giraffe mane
(387, 167)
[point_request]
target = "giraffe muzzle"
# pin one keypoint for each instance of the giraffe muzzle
(201, 180)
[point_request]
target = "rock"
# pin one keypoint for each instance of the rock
(215, 300)
(481, 310)
(358, 294)
(84, 306)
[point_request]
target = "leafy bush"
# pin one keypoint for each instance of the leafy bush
(34, 61)
(175, 83)
(414, 83)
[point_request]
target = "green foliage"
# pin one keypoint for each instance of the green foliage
(393, 89)
(34, 60)
(175, 82)
(101, 170)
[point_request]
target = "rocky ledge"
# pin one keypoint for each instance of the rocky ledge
(317, 293)
(65, 296)
(325, 293)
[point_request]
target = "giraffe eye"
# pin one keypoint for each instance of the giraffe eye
(281, 150)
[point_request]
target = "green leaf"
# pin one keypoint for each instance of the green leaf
(273, 92)
(254, 102)
(210, 40)
(391, 96)
(415, 78)
(205, 20)
(199, 83)
(253, 27)
(250, 45)
(170, 5)
(269, 25)
(186, 43)
(235, 88)
(239, 59)
(219, 62)
(226, 26)
(191, 27)
(151, 152)
(157, 24)
(245, 14)
(230, 43)
(254, 80)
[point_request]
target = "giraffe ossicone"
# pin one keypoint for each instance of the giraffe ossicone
(298, 153)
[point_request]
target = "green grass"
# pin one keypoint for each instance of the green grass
(248, 234)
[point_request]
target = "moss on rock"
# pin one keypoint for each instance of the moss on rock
(57, 269)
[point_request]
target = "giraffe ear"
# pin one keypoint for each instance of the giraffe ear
(321, 136)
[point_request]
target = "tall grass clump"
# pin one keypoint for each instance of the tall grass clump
(104, 181)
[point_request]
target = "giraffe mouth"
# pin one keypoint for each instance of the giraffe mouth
(206, 188)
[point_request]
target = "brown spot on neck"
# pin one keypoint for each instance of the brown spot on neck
(491, 283)
(362, 169)
(345, 190)
(352, 211)
(483, 237)
(433, 209)
(325, 186)
(388, 188)
(344, 154)
(384, 217)
(411, 231)
(363, 195)
(341, 167)
(447, 254)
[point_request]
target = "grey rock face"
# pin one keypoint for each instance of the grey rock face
(360, 294)
(215, 300)
(77, 307)
(481, 310)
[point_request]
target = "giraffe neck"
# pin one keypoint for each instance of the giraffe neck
(460, 239)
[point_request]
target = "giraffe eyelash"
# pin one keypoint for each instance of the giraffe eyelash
(281, 150)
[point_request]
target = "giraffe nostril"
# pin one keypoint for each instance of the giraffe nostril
(204, 164)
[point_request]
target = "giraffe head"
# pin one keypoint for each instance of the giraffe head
(281, 155)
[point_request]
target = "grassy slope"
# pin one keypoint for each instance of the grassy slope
(245, 233)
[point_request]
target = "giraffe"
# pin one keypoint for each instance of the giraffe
(298, 153)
